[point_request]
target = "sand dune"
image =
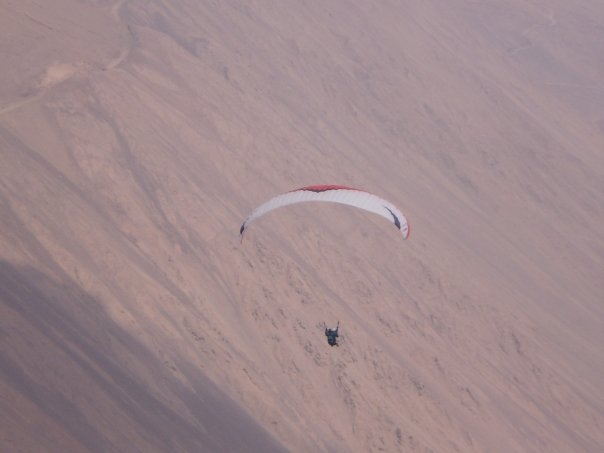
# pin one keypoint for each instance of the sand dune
(136, 136)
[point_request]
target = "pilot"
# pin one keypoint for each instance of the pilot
(332, 335)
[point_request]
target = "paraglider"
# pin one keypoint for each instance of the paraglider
(334, 194)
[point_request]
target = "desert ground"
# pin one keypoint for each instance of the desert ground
(137, 135)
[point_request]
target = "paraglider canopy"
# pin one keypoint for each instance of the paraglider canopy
(334, 194)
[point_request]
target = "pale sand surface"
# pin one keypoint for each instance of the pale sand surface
(135, 136)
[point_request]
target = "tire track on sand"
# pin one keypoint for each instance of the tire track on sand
(115, 12)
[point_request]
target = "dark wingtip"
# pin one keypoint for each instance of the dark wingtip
(242, 228)
(395, 219)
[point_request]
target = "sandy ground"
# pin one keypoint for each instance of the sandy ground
(135, 136)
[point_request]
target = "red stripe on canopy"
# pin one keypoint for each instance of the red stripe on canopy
(325, 187)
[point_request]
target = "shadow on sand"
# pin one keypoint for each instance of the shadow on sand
(64, 357)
